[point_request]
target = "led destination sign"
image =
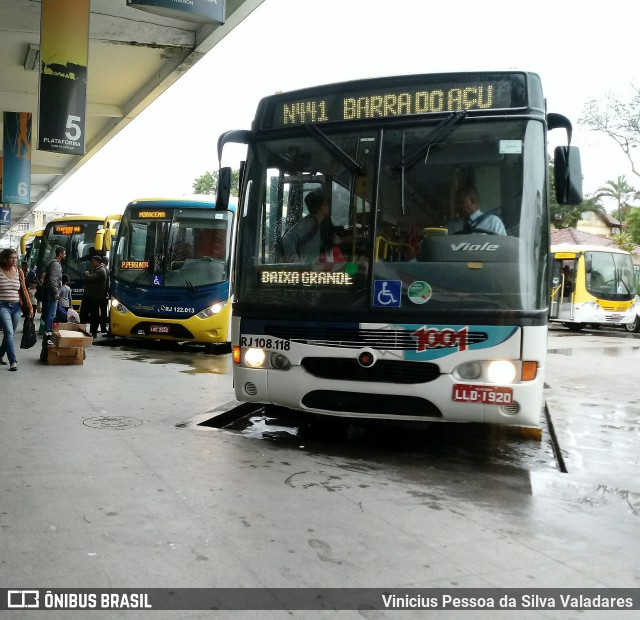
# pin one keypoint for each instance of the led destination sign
(155, 214)
(134, 264)
(505, 91)
(67, 230)
(305, 278)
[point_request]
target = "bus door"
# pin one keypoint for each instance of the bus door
(563, 286)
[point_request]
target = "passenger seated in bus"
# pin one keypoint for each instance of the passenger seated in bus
(471, 219)
(567, 280)
(311, 237)
(182, 249)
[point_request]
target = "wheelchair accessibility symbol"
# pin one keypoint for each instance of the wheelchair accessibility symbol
(157, 280)
(386, 293)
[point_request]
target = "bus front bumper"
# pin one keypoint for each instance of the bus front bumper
(427, 402)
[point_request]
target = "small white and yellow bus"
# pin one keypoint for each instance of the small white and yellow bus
(591, 285)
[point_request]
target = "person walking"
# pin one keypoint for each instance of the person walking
(94, 283)
(14, 300)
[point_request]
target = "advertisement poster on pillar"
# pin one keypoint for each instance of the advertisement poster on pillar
(64, 55)
(16, 157)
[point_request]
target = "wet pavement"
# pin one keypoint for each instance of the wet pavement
(113, 474)
(594, 391)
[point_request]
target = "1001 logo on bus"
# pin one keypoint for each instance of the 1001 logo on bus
(432, 338)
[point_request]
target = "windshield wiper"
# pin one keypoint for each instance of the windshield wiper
(190, 284)
(334, 149)
(440, 131)
(620, 280)
(142, 272)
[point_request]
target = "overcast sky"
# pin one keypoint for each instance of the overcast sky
(581, 51)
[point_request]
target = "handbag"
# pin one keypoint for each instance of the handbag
(29, 337)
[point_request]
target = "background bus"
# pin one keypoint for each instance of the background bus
(397, 319)
(592, 285)
(77, 234)
(170, 272)
(27, 252)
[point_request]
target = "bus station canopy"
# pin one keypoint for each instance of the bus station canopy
(134, 56)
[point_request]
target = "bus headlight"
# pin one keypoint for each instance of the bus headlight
(118, 307)
(212, 310)
(255, 358)
(498, 372)
(501, 371)
(468, 371)
(279, 361)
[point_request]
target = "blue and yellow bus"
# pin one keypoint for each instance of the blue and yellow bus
(171, 271)
(400, 314)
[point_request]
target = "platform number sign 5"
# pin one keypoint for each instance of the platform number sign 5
(74, 131)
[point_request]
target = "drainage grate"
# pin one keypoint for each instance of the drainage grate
(117, 423)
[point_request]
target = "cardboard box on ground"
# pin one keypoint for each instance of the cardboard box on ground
(70, 341)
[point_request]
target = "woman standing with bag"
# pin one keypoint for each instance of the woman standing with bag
(14, 299)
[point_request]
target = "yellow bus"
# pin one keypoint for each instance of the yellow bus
(591, 285)
(82, 236)
(26, 242)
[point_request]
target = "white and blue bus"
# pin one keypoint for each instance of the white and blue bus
(396, 317)
(170, 271)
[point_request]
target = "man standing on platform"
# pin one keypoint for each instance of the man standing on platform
(94, 283)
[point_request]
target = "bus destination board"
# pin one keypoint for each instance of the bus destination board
(388, 101)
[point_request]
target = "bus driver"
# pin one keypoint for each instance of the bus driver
(471, 219)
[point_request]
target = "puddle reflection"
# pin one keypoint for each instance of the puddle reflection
(167, 352)
(437, 444)
(605, 351)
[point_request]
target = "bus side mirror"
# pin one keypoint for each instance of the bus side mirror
(568, 175)
(108, 238)
(224, 189)
(99, 242)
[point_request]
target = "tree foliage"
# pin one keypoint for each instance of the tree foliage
(568, 216)
(207, 183)
(632, 224)
(620, 191)
(624, 241)
(619, 119)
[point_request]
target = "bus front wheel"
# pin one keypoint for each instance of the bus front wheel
(574, 327)
(634, 326)
(217, 348)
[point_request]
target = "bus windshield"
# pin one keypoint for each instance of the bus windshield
(389, 232)
(183, 248)
(609, 275)
(34, 252)
(77, 237)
